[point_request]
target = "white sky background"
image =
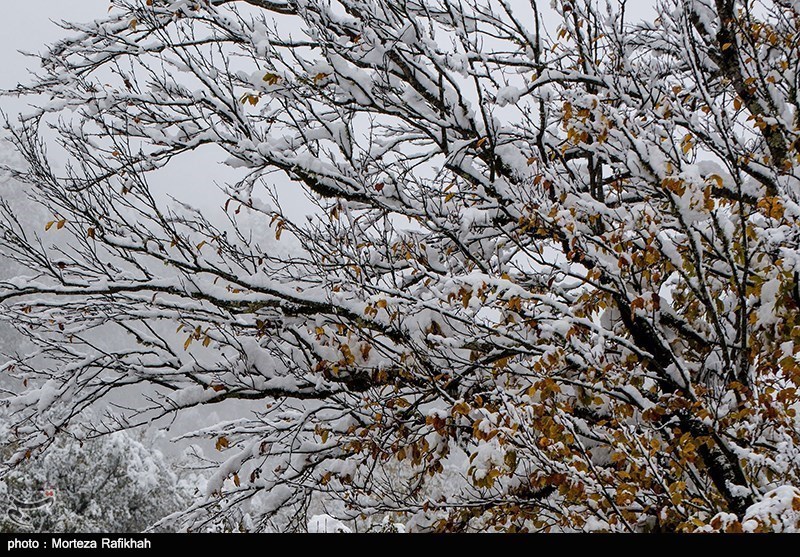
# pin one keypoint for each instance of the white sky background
(29, 26)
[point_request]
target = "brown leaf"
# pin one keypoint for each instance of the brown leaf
(271, 78)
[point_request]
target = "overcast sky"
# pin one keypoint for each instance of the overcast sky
(29, 26)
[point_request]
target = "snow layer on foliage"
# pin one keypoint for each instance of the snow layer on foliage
(508, 95)
(777, 511)
(326, 524)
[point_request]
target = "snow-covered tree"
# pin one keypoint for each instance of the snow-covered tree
(550, 252)
(111, 484)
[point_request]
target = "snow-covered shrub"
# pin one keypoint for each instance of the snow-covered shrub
(111, 484)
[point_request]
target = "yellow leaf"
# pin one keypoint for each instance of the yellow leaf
(272, 79)
(771, 206)
(501, 363)
(249, 98)
(687, 144)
